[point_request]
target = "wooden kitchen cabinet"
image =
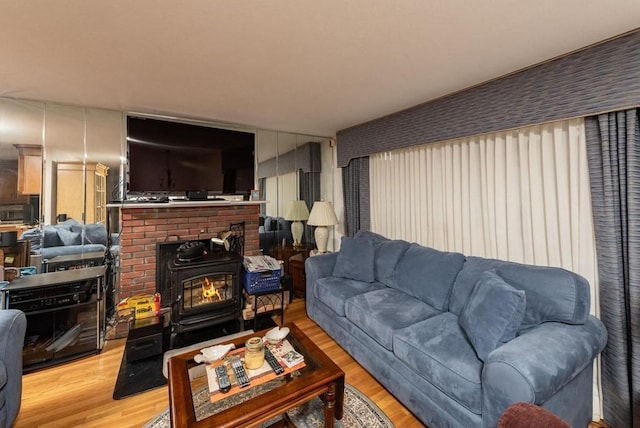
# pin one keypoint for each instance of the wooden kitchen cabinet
(29, 169)
(82, 191)
(9, 184)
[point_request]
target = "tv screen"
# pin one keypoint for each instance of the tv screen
(171, 158)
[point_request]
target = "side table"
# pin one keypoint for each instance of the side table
(296, 266)
(285, 253)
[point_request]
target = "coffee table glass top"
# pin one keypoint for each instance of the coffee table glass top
(263, 399)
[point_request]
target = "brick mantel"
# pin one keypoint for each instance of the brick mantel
(144, 225)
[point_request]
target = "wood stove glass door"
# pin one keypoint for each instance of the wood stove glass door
(204, 292)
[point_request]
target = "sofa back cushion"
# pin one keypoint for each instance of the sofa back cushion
(427, 274)
(388, 254)
(95, 233)
(355, 259)
(552, 294)
(270, 224)
(50, 237)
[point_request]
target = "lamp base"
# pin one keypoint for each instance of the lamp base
(297, 229)
(322, 237)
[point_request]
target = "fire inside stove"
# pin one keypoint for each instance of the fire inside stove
(207, 290)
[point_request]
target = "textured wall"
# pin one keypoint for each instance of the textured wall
(602, 78)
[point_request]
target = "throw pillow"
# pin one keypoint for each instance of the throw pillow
(355, 259)
(69, 238)
(493, 313)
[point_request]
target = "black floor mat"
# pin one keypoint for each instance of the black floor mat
(139, 376)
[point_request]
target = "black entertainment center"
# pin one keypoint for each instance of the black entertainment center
(169, 158)
(65, 314)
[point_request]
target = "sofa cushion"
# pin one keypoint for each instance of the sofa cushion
(493, 314)
(68, 237)
(94, 233)
(427, 274)
(50, 237)
(270, 224)
(388, 254)
(438, 350)
(334, 291)
(355, 260)
(553, 294)
(381, 312)
(372, 236)
(65, 250)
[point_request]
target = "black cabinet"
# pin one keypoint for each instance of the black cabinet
(65, 314)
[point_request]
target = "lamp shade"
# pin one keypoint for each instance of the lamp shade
(322, 214)
(297, 211)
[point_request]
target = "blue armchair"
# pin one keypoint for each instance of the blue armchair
(13, 325)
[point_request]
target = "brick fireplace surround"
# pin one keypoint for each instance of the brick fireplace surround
(144, 225)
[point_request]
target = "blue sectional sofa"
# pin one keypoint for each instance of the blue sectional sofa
(458, 339)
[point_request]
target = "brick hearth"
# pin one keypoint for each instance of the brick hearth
(143, 227)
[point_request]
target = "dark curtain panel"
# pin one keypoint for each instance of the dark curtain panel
(309, 183)
(262, 186)
(613, 147)
(355, 182)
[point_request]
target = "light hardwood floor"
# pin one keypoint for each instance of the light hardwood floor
(79, 394)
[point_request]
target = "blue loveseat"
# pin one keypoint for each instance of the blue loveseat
(272, 231)
(458, 339)
(69, 238)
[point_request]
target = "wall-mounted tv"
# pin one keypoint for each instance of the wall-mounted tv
(171, 158)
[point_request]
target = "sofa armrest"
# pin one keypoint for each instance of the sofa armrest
(13, 325)
(534, 366)
(317, 267)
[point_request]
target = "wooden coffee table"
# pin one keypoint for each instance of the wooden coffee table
(320, 377)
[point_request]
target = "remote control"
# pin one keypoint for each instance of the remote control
(241, 374)
(275, 365)
(223, 379)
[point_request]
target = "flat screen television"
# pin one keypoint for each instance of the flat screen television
(171, 158)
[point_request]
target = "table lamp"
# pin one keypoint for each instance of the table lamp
(322, 215)
(297, 212)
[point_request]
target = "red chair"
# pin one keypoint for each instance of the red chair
(528, 415)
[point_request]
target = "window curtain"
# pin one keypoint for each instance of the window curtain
(355, 182)
(521, 195)
(309, 193)
(279, 191)
(613, 142)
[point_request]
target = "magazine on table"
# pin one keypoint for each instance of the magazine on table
(285, 352)
(290, 359)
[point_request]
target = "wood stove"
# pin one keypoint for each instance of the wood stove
(204, 292)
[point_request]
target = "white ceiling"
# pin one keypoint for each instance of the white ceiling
(304, 66)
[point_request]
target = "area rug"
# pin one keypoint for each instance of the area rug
(359, 412)
(142, 375)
